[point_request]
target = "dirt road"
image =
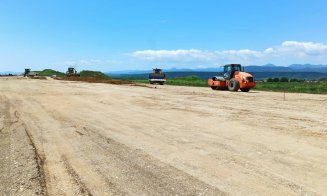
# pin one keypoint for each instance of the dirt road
(59, 137)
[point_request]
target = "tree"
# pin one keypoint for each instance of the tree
(276, 80)
(270, 80)
(283, 79)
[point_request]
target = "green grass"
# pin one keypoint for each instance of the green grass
(94, 74)
(293, 87)
(50, 72)
(179, 81)
(187, 81)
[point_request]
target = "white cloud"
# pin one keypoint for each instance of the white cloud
(303, 48)
(172, 54)
(91, 62)
(286, 53)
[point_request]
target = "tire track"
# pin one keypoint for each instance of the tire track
(39, 158)
(19, 139)
(73, 176)
(140, 170)
(77, 180)
(144, 172)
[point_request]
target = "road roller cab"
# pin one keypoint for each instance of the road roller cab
(233, 78)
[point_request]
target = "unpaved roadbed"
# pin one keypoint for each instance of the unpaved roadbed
(97, 139)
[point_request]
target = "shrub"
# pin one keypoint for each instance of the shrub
(270, 80)
(283, 79)
(294, 80)
(276, 80)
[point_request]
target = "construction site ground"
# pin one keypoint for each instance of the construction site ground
(73, 138)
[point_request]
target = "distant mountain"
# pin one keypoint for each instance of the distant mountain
(290, 68)
(309, 67)
(306, 66)
(267, 68)
(209, 69)
(270, 65)
(322, 69)
(124, 72)
(249, 68)
(257, 75)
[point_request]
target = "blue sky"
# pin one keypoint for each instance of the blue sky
(141, 34)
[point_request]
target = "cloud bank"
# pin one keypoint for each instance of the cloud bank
(286, 53)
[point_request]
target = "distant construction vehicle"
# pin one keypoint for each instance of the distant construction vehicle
(233, 78)
(27, 72)
(157, 76)
(71, 72)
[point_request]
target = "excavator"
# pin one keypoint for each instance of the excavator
(233, 78)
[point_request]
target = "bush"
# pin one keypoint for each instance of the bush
(270, 80)
(283, 79)
(276, 80)
(188, 78)
(294, 80)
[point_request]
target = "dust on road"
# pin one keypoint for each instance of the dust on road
(74, 138)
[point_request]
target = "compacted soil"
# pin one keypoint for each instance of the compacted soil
(74, 138)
